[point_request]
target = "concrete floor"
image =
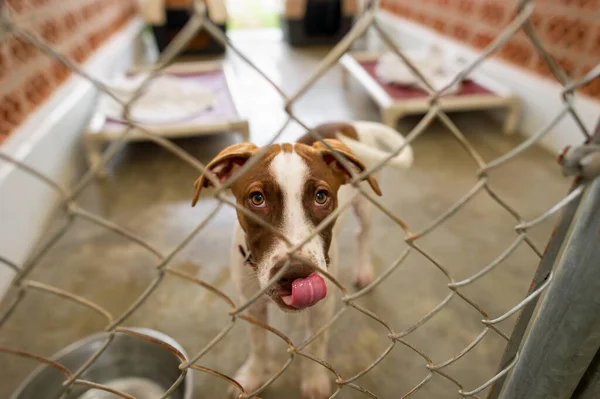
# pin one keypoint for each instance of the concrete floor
(149, 192)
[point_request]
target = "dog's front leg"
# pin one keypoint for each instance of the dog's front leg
(255, 371)
(316, 379)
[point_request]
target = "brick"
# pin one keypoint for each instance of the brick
(60, 72)
(94, 39)
(99, 7)
(421, 18)
(460, 32)
(88, 12)
(595, 44)
(541, 66)
(134, 9)
(391, 7)
(567, 32)
(438, 24)
(114, 25)
(591, 5)
(20, 50)
(37, 89)
(493, 14)
(39, 3)
(12, 108)
(77, 55)
(592, 89)
(5, 131)
(17, 6)
(406, 11)
(481, 40)
(80, 52)
(86, 49)
(401, 9)
(538, 20)
(4, 62)
(70, 22)
(518, 52)
(51, 31)
(465, 7)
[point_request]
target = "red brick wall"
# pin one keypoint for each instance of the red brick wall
(569, 29)
(75, 28)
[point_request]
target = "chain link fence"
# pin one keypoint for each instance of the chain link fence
(368, 20)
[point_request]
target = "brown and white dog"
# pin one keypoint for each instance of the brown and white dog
(293, 188)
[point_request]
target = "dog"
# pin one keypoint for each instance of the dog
(294, 187)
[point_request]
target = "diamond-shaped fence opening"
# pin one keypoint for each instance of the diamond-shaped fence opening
(393, 337)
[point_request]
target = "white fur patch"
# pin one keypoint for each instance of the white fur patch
(291, 172)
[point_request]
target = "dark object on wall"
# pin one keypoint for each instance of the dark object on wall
(317, 22)
(201, 44)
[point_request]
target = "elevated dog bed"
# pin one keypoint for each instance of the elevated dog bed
(218, 112)
(312, 22)
(478, 92)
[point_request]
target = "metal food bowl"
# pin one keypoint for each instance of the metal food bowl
(130, 364)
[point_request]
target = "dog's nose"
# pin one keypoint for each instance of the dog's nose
(294, 271)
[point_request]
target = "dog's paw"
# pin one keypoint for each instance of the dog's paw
(317, 386)
(251, 376)
(364, 277)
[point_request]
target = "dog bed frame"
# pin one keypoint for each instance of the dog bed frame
(221, 118)
(394, 101)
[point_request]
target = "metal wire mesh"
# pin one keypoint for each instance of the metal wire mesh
(368, 20)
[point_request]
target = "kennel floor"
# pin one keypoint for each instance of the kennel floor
(149, 192)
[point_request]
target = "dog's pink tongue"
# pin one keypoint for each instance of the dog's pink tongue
(306, 291)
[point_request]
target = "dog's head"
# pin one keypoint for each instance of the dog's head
(293, 187)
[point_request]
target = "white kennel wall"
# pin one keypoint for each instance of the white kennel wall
(50, 141)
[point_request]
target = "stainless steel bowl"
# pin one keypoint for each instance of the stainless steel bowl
(129, 364)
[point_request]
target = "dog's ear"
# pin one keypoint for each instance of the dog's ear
(224, 164)
(343, 150)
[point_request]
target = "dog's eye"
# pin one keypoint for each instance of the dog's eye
(321, 197)
(257, 199)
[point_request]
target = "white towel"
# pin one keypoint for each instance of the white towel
(439, 68)
(167, 99)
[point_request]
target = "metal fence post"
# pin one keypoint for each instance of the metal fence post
(559, 236)
(566, 334)
(589, 386)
